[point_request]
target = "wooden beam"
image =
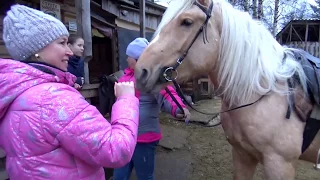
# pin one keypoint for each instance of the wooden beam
(306, 34)
(310, 23)
(63, 7)
(90, 90)
(319, 33)
(115, 62)
(147, 12)
(84, 30)
(101, 20)
(142, 18)
(290, 33)
(287, 39)
(280, 40)
(296, 34)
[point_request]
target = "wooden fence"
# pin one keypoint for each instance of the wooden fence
(311, 47)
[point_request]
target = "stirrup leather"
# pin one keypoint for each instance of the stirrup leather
(317, 165)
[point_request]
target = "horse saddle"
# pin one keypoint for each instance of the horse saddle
(311, 67)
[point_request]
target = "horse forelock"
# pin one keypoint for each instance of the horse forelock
(250, 59)
(173, 10)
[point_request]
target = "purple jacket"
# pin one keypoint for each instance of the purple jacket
(49, 131)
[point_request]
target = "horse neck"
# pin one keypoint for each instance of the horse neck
(218, 89)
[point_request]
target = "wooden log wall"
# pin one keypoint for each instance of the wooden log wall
(311, 47)
(131, 14)
(3, 51)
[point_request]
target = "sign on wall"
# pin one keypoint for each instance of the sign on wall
(73, 26)
(50, 8)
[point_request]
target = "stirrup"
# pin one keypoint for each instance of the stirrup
(317, 165)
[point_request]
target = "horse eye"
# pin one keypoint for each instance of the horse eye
(187, 22)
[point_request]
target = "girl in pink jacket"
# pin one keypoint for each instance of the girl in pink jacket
(48, 130)
(149, 132)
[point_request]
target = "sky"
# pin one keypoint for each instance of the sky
(162, 2)
(312, 2)
(165, 2)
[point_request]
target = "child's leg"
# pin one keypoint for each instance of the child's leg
(123, 173)
(143, 160)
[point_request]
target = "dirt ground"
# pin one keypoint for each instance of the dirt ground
(208, 152)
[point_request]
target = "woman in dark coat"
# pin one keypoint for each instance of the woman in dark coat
(76, 63)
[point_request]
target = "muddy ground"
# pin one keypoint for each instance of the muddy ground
(194, 152)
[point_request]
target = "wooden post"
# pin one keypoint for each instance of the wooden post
(115, 63)
(84, 30)
(318, 45)
(142, 18)
(290, 33)
(319, 34)
(306, 37)
(196, 93)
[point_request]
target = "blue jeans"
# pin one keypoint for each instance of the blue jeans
(142, 161)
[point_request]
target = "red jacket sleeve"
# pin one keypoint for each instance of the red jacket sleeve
(167, 102)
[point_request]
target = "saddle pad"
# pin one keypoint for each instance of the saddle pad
(311, 67)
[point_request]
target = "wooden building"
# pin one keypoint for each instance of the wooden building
(302, 33)
(107, 26)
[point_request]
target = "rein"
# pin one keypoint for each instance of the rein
(179, 91)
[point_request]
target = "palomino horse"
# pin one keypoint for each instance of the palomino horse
(210, 37)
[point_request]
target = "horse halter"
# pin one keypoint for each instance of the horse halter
(168, 72)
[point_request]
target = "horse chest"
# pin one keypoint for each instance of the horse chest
(241, 132)
(232, 130)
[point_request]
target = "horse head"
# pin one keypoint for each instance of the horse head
(191, 29)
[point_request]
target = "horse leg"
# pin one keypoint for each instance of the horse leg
(277, 168)
(244, 164)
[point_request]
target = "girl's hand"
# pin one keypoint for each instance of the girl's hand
(124, 88)
(77, 86)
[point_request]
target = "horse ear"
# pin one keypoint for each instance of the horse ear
(204, 3)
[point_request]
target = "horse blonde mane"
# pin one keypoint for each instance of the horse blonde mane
(250, 60)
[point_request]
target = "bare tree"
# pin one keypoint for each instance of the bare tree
(254, 9)
(316, 9)
(233, 2)
(260, 9)
(275, 13)
(275, 17)
(246, 5)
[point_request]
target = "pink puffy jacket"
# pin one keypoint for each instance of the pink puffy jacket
(49, 131)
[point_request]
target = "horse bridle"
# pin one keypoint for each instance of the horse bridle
(167, 72)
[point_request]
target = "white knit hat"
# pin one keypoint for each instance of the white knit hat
(26, 31)
(136, 47)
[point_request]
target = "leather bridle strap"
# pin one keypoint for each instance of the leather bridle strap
(179, 91)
